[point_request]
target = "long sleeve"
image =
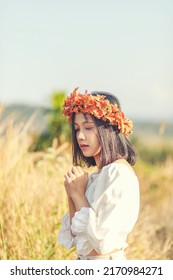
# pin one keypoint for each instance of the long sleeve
(65, 236)
(112, 215)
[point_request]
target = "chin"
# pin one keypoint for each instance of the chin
(87, 155)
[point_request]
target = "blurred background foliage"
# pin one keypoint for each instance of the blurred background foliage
(152, 152)
(58, 128)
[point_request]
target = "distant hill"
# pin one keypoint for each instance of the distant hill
(22, 113)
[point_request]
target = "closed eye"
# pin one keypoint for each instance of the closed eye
(88, 128)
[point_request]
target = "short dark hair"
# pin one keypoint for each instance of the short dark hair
(114, 144)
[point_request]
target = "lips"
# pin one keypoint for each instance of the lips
(83, 146)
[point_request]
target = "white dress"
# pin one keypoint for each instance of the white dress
(113, 195)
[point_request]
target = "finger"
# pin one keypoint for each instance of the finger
(71, 175)
(67, 178)
(75, 170)
(80, 170)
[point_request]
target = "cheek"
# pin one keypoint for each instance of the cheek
(97, 142)
(98, 146)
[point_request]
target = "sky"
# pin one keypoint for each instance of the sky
(123, 47)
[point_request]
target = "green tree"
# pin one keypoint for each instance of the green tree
(59, 130)
(59, 127)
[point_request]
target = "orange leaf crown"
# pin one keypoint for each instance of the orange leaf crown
(99, 107)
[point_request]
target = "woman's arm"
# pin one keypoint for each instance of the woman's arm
(79, 202)
(75, 185)
(72, 208)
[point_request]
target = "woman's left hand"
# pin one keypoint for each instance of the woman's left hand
(76, 181)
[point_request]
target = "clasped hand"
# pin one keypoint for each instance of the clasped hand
(75, 182)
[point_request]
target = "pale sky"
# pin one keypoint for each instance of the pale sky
(124, 47)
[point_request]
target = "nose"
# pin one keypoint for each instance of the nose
(80, 135)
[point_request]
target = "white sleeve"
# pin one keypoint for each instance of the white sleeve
(65, 236)
(105, 225)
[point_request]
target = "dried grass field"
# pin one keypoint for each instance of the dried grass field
(33, 201)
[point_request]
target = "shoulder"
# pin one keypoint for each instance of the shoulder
(117, 168)
(119, 175)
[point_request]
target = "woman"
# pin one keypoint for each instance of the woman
(103, 208)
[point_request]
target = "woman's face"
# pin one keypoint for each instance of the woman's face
(87, 136)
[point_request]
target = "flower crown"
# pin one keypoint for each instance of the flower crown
(99, 107)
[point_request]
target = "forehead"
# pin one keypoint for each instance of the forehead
(81, 118)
